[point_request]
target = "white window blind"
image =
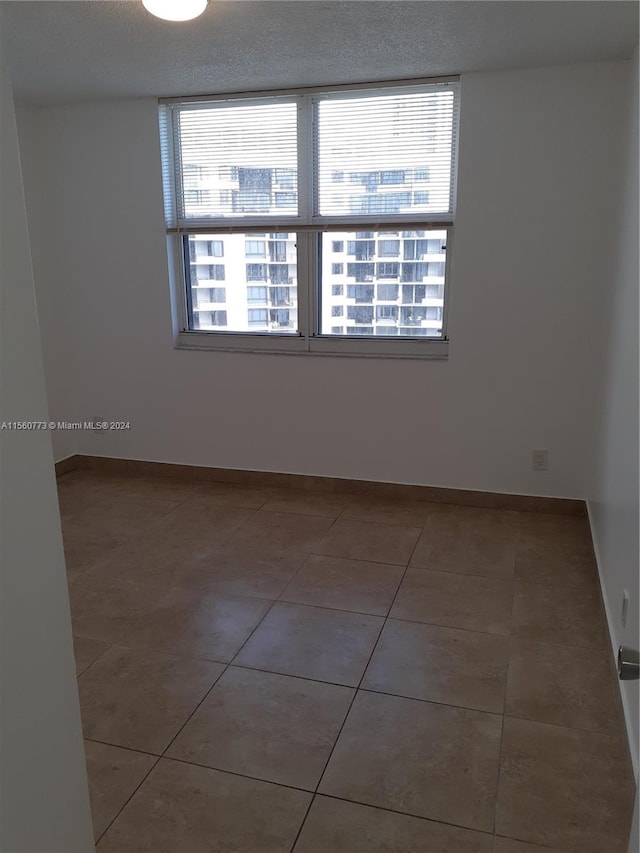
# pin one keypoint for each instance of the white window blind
(234, 161)
(373, 156)
(386, 156)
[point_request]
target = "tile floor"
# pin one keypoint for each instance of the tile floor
(270, 670)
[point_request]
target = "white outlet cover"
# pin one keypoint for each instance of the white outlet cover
(540, 460)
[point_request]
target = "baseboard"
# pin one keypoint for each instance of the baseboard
(633, 746)
(399, 491)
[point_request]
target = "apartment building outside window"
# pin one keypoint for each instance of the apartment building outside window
(331, 203)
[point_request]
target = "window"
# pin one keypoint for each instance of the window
(255, 248)
(278, 185)
(388, 292)
(213, 272)
(388, 270)
(256, 272)
(256, 294)
(389, 248)
(287, 200)
(257, 316)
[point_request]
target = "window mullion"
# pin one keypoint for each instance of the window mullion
(307, 287)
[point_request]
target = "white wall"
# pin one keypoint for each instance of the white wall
(43, 788)
(537, 155)
(613, 503)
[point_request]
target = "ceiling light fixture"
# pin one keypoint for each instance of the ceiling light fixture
(175, 10)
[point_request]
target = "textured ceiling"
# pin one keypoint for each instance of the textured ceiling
(61, 51)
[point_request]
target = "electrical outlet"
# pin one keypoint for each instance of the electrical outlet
(540, 460)
(625, 608)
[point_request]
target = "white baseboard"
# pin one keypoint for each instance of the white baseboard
(633, 746)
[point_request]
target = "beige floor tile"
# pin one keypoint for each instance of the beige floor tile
(109, 610)
(197, 525)
(345, 584)
(565, 685)
(445, 665)
(84, 546)
(192, 623)
(236, 569)
(117, 516)
(267, 726)
(312, 642)
(387, 511)
(510, 845)
(364, 540)
(555, 550)
(456, 601)
(566, 570)
(185, 809)
(114, 774)
(229, 494)
(468, 541)
(335, 826)
(429, 760)
(282, 531)
(145, 558)
(307, 503)
(87, 651)
(564, 788)
(557, 614)
(140, 699)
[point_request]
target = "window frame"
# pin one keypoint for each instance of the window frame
(308, 226)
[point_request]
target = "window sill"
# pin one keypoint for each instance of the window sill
(315, 346)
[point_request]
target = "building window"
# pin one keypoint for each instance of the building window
(389, 248)
(387, 270)
(360, 292)
(256, 294)
(286, 178)
(257, 316)
(388, 292)
(288, 200)
(233, 166)
(256, 272)
(387, 312)
(214, 272)
(255, 248)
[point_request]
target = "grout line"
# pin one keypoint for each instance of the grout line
(319, 794)
(504, 707)
(226, 667)
(128, 800)
(304, 820)
(364, 671)
(408, 814)
(120, 746)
